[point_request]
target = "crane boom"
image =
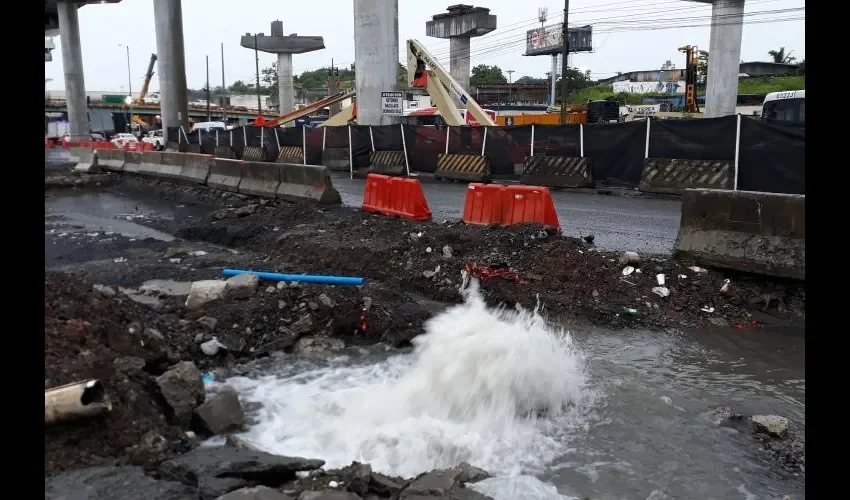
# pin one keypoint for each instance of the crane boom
(442, 88)
(306, 110)
(147, 82)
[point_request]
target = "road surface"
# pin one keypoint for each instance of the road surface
(641, 224)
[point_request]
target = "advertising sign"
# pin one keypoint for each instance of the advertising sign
(547, 40)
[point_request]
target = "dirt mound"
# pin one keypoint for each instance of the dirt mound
(86, 336)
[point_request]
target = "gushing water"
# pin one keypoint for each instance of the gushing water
(499, 389)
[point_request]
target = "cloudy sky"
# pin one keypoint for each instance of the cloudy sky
(628, 35)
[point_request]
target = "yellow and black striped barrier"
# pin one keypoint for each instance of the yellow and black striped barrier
(252, 153)
(674, 176)
(557, 171)
(461, 167)
(290, 154)
(387, 162)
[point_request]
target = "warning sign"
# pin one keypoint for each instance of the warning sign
(392, 103)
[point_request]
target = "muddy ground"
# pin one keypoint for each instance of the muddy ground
(99, 324)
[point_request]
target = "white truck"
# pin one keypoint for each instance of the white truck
(156, 138)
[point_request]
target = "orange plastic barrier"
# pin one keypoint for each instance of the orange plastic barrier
(507, 205)
(395, 196)
(483, 204)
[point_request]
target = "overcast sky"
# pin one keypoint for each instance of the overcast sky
(628, 35)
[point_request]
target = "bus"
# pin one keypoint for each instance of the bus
(787, 108)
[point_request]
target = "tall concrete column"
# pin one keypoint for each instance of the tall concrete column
(724, 57)
(171, 63)
(285, 84)
(459, 60)
(72, 64)
(376, 57)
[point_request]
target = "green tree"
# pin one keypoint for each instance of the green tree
(779, 56)
(487, 75)
(401, 77)
(702, 67)
(240, 87)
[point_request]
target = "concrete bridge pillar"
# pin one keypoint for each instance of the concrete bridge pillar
(724, 57)
(376, 57)
(459, 24)
(72, 64)
(171, 63)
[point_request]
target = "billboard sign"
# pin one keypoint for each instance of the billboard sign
(547, 40)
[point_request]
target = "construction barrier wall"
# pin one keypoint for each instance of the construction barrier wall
(761, 233)
(768, 158)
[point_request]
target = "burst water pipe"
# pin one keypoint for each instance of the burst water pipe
(300, 278)
(77, 400)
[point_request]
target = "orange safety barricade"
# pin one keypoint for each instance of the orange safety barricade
(395, 196)
(529, 204)
(483, 204)
(131, 146)
(507, 205)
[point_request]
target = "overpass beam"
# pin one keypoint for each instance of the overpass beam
(724, 57)
(376, 57)
(171, 63)
(72, 65)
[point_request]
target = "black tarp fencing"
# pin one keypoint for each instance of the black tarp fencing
(557, 140)
(771, 158)
(616, 152)
(706, 139)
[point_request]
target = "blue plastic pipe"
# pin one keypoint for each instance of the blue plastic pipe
(301, 278)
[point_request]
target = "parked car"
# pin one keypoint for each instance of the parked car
(156, 138)
(121, 140)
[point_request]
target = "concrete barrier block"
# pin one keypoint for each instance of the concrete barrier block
(81, 155)
(110, 159)
(171, 165)
(132, 162)
(260, 179)
(760, 233)
(307, 182)
(196, 168)
(225, 174)
(337, 159)
(150, 164)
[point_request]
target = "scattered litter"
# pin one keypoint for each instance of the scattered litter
(666, 400)
(198, 253)
(579, 251)
(707, 309)
(428, 250)
(624, 280)
(447, 251)
(628, 270)
(175, 260)
(661, 291)
(496, 271)
(629, 258)
(208, 378)
(698, 270)
(333, 484)
(630, 310)
(638, 271)
(119, 260)
(431, 274)
(726, 289)
(92, 235)
(660, 278)
(682, 277)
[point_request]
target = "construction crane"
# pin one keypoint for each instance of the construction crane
(260, 121)
(426, 72)
(147, 81)
(691, 51)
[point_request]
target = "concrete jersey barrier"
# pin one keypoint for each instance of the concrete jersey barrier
(310, 182)
(225, 174)
(172, 165)
(760, 233)
(110, 159)
(196, 168)
(260, 178)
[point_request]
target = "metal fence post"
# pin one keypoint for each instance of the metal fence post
(448, 129)
(350, 155)
(372, 138)
(404, 147)
(531, 153)
(737, 150)
(646, 151)
(581, 139)
(303, 144)
(484, 141)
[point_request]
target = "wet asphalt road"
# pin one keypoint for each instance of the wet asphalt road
(641, 224)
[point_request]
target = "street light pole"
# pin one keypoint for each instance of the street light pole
(566, 39)
(129, 88)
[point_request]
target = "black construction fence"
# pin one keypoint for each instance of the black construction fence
(770, 157)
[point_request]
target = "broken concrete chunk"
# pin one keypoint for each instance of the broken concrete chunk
(241, 286)
(203, 292)
(222, 413)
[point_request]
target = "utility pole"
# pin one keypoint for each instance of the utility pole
(257, 62)
(223, 87)
(129, 90)
(209, 115)
(565, 35)
(332, 89)
(510, 73)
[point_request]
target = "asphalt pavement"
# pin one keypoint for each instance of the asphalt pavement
(619, 221)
